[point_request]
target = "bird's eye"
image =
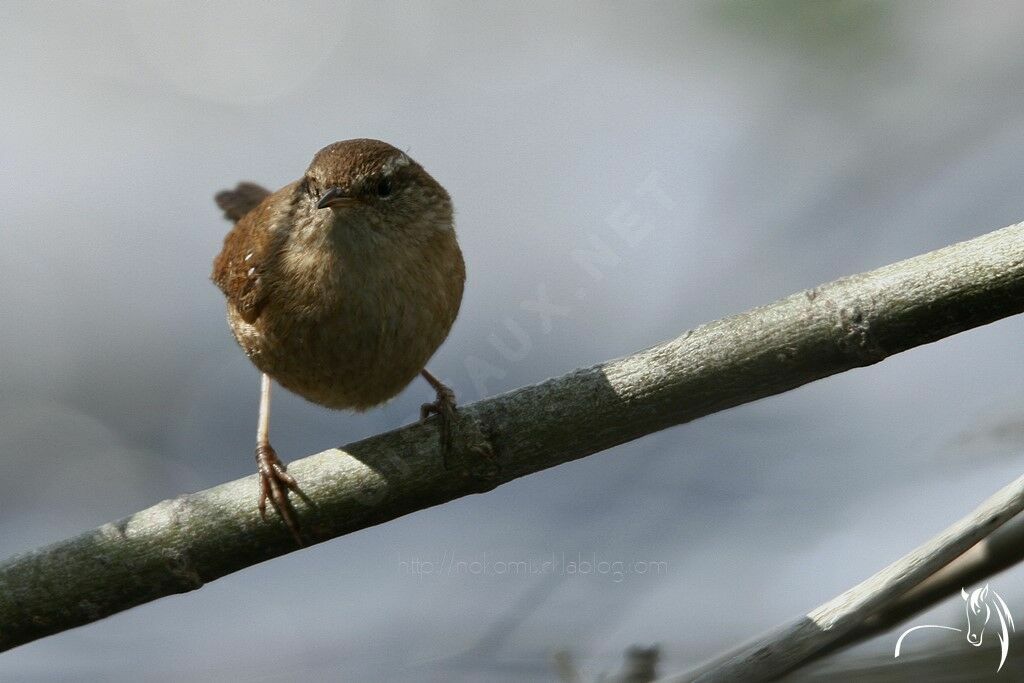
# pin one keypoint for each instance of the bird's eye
(384, 188)
(307, 186)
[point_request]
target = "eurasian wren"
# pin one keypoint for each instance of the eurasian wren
(341, 286)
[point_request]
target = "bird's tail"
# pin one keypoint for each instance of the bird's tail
(241, 200)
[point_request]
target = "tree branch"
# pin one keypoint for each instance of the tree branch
(180, 544)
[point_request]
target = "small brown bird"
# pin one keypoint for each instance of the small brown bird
(340, 286)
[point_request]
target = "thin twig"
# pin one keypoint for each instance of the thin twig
(795, 644)
(1003, 549)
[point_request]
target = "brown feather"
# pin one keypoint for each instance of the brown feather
(241, 267)
(241, 200)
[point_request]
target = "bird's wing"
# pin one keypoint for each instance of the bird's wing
(240, 268)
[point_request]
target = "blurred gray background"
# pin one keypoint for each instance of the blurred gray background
(795, 142)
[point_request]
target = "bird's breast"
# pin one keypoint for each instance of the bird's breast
(352, 335)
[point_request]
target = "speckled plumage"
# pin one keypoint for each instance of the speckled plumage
(344, 306)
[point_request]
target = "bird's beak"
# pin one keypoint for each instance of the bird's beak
(335, 196)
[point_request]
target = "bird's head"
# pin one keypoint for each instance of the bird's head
(368, 190)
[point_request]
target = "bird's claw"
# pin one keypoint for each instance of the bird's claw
(275, 483)
(444, 407)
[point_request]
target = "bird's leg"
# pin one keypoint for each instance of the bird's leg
(444, 407)
(275, 482)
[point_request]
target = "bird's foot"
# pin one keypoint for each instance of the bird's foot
(275, 483)
(445, 408)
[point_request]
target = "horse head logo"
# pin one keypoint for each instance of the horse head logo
(980, 605)
(978, 613)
